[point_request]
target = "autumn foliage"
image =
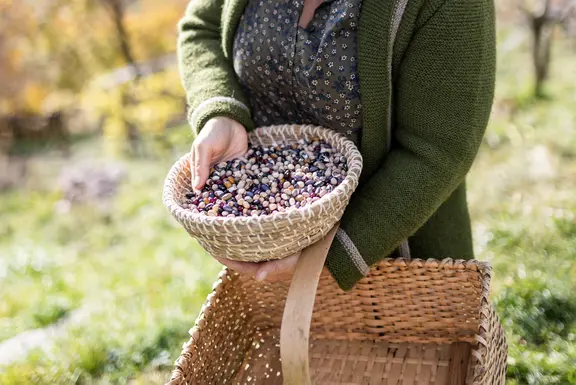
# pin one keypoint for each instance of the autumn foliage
(52, 54)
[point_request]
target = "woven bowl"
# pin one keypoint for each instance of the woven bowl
(266, 237)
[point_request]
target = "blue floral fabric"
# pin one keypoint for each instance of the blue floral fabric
(301, 75)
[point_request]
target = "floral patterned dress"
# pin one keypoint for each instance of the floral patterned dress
(301, 75)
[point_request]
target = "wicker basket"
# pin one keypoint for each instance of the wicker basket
(408, 322)
(270, 236)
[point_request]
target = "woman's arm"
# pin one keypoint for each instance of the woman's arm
(212, 89)
(442, 105)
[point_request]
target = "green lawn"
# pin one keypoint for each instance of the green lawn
(523, 205)
(134, 276)
(133, 280)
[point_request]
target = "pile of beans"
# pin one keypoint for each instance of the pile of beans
(270, 179)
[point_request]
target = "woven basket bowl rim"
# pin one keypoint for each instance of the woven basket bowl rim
(354, 163)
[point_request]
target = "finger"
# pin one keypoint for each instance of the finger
(232, 155)
(201, 167)
(276, 268)
(249, 268)
(269, 271)
(192, 162)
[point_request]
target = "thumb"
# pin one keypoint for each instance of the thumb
(201, 167)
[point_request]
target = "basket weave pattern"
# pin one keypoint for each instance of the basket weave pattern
(399, 319)
(269, 236)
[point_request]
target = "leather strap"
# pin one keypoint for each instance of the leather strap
(295, 329)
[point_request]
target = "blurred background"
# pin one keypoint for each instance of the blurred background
(98, 285)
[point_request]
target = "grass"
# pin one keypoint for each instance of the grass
(132, 281)
(522, 204)
(137, 279)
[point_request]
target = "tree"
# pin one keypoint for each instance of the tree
(53, 51)
(542, 16)
(117, 10)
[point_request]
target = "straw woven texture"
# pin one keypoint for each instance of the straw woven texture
(269, 236)
(407, 322)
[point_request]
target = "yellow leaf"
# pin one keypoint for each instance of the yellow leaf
(33, 97)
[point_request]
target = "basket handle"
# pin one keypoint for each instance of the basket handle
(297, 317)
(295, 329)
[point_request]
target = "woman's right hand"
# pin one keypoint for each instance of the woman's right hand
(221, 139)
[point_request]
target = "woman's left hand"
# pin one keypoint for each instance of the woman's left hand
(271, 271)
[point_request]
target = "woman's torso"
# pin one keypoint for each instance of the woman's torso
(448, 231)
(296, 75)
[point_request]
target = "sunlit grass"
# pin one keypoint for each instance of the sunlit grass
(523, 205)
(134, 276)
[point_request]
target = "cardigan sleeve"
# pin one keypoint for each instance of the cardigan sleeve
(208, 77)
(445, 87)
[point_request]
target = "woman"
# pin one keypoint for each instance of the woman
(420, 69)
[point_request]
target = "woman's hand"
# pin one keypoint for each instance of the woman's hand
(221, 139)
(272, 271)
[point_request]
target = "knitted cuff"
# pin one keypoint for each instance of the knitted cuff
(344, 261)
(220, 106)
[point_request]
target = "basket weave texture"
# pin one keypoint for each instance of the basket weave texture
(269, 236)
(407, 322)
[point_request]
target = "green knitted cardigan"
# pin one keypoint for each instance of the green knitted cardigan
(443, 66)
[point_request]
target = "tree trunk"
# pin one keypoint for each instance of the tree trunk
(542, 49)
(542, 29)
(116, 9)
